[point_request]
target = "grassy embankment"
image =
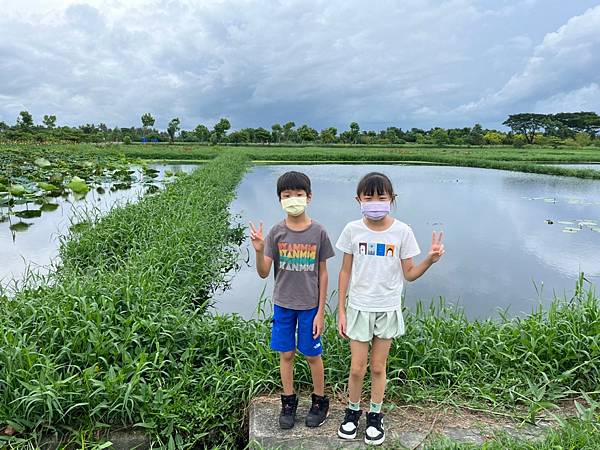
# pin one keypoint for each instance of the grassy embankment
(119, 336)
(529, 159)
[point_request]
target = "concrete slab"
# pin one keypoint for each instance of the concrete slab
(407, 426)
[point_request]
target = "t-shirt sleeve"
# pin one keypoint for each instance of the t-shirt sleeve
(344, 242)
(270, 244)
(325, 249)
(409, 246)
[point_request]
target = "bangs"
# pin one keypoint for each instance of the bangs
(293, 181)
(375, 183)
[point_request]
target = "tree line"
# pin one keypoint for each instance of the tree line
(568, 128)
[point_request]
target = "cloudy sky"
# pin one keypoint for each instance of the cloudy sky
(404, 63)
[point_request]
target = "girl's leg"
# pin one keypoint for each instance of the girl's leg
(318, 374)
(379, 354)
(286, 368)
(358, 368)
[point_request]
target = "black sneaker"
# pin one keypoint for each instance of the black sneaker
(374, 434)
(287, 416)
(349, 426)
(318, 412)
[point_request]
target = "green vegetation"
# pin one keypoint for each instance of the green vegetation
(119, 336)
(572, 128)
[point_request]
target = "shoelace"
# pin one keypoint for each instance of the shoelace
(315, 407)
(373, 421)
(351, 415)
(288, 409)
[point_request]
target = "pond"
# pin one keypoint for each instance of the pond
(512, 240)
(32, 243)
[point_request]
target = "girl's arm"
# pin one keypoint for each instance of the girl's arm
(343, 281)
(412, 272)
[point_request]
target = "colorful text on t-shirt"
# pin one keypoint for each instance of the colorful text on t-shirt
(376, 249)
(297, 257)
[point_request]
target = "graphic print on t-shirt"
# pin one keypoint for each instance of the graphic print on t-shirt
(297, 257)
(376, 249)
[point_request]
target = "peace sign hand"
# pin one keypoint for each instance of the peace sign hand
(437, 248)
(256, 236)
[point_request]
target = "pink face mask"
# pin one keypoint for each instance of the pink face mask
(375, 210)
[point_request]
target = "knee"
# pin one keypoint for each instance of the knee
(312, 360)
(286, 357)
(378, 369)
(357, 370)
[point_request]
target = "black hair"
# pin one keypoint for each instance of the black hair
(293, 180)
(375, 183)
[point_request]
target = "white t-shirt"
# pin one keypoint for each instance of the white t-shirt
(377, 278)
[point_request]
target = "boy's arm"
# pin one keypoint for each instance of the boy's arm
(263, 264)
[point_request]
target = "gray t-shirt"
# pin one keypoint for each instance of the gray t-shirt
(296, 256)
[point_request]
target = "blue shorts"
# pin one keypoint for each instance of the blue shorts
(283, 333)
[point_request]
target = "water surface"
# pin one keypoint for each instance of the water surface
(504, 246)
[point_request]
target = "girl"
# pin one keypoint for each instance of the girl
(374, 310)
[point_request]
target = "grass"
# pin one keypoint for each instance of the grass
(120, 336)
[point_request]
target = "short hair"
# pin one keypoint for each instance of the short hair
(375, 183)
(293, 180)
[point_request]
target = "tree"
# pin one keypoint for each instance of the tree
(328, 135)
(49, 121)
(577, 122)
(526, 124)
(24, 120)
(476, 135)
(202, 133)
(261, 135)
(287, 131)
(439, 136)
(307, 134)
(493, 138)
(221, 128)
(276, 132)
(173, 128)
(354, 130)
(147, 121)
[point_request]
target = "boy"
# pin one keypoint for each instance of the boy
(299, 248)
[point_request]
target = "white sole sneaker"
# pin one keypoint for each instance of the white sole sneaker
(375, 442)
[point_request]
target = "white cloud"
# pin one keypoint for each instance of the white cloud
(322, 62)
(562, 70)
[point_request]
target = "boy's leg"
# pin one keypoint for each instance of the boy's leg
(379, 354)
(358, 368)
(283, 340)
(311, 348)
(286, 369)
(318, 374)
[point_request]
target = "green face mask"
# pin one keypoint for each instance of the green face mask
(294, 206)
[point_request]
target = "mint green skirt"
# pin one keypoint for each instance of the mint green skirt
(363, 325)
